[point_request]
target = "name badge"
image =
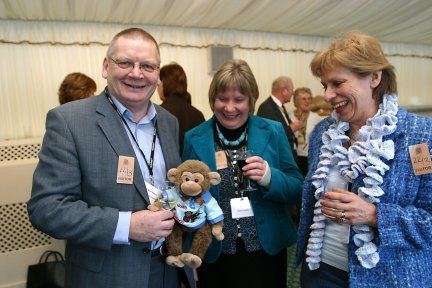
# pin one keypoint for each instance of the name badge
(420, 159)
(241, 207)
(125, 170)
(152, 191)
(221, 160)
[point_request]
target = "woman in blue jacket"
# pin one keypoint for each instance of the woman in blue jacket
(377, 231)
(258, 227)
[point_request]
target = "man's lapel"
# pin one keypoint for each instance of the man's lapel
(115, 132)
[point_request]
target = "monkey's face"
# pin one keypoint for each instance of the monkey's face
(192, 183)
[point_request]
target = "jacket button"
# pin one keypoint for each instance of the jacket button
(146, 250)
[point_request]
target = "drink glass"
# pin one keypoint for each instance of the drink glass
(335, 180)
(241, 162)
(330, 185)
(168, 195)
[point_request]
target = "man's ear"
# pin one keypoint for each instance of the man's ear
(214, 178)
(172, 174)
(376, 78)
(105, 68)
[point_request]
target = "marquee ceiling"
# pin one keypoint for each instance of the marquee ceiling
(403, 21)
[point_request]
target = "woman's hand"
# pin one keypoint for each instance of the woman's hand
(255, 168)
(348, 208)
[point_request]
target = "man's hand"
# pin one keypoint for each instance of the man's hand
(296, 125)
(147, 226)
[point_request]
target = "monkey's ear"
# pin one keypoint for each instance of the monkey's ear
(172, 174)
(214, 177)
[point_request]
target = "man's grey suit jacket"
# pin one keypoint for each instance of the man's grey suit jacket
(75, 195)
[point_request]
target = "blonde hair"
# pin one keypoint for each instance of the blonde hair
(320, 107)
(234, 73)
(360, 53)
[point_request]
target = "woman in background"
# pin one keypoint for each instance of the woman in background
(302, 113)
(76, 86)
(176, 99)
(320, 107)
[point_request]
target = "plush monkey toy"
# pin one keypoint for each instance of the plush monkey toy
(197, 212)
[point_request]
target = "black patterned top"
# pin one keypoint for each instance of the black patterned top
(234, 228)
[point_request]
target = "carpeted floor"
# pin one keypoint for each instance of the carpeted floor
(293, 274)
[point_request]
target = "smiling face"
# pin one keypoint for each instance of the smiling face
(231, 108)
(351, 95)
(303, 101)
(132, 87)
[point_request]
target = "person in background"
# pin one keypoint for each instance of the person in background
(302, 113)
(175, 98)
(258, 230)
(273, 108)
(374, 232)
(320, 107)
(89, 185)
(76, 86)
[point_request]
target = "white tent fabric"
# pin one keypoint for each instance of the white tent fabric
(389, 20)
(72, 33)
(42, 41)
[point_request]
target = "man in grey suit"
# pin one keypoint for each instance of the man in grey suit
(101, 158)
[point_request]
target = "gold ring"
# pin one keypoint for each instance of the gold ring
(342, 218)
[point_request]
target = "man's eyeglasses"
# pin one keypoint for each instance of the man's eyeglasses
(128, 65)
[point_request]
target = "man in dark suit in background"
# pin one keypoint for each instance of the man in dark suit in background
(273, 108)
(90, 184)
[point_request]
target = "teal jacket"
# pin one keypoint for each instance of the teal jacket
(276, 229)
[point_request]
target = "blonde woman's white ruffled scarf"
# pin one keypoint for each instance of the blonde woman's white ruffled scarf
(364, 157)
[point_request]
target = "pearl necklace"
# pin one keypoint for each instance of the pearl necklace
(365, 157)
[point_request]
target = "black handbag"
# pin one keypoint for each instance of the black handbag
(47, 274)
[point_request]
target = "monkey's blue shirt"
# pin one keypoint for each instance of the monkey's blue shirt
(191, 214)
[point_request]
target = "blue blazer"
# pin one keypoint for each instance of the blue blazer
(276, 229)
(404, 213)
